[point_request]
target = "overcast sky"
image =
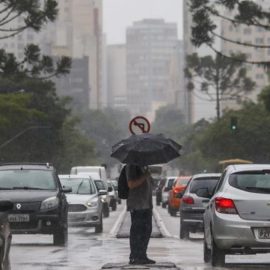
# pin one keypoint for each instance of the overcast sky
(119, 14)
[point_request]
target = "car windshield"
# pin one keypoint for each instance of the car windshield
(27, 179)
(207, 182)
(100, 185)
(79, 186)
(115, 184)
(255, 181)
(182, 181)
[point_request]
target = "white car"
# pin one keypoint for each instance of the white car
(165, 190)
(84, 202)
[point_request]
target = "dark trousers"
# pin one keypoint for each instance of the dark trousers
(140, 233)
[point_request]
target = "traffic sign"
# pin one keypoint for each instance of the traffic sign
(139, 124)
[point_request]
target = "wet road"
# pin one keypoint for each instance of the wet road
(87, 250)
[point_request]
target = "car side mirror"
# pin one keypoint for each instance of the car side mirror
(102, 192)
(110, 189)
(204, 193)
(6, 206)
(67, 189)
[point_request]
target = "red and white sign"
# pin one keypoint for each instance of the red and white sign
(139, 125)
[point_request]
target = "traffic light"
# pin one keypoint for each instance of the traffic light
(233, 125)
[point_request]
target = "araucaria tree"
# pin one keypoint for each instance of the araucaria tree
(219, 78)
(33, 14)
(249, 13)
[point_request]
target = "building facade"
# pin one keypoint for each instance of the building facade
(151, 46)
(251, 35)
(117, 76)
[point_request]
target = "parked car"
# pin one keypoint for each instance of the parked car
(115, 186)
(5, 234)
(192, 205)
(113, 195)
(165, 190)
(84, 202)
(236, 220)
(105, 198)
(174, 201)
(158, 192)
(40, 204)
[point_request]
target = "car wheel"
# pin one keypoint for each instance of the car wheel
(119, 201)
(99, 227)
(114, 205)
(217, 254)
(184, 233)
(206, 252)
(60, 236)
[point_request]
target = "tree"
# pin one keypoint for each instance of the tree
(246, 12)
(219, 79)
(34, 14)
(169, 121)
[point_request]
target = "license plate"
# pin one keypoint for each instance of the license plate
(18, 218)
(264, 233)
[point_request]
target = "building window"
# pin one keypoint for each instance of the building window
(259, 40)
(247, 31)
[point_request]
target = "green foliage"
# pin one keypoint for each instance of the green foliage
(105, 128)
(169, 121)
(220, 78)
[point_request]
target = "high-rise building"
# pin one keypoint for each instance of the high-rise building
(251, 35)
(151, 46)
(117, 76)
(79, 34)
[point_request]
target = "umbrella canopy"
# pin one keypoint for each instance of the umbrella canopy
(146, 149)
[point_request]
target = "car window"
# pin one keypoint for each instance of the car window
(100, 185)
(255, 181)
(170, 182)
(209, 183)
(182, 181)
(79, 186)
(38, 179)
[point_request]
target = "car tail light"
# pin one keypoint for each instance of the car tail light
(224, 205)
(188, 200)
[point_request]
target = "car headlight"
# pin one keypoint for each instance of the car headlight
(103, 199)
(50, 203)
(91, 203)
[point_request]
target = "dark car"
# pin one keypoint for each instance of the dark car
(40, 205)
(5, 235)
(160, 185)
(193, 204)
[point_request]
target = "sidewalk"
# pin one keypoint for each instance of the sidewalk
(157, 266)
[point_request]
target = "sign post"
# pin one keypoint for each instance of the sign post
(139, 125)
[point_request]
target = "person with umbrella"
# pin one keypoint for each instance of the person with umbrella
(137, 152)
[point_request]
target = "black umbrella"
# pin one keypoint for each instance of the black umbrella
(146, 149)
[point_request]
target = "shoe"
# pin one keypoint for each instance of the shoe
(149, 261)
(141, 261)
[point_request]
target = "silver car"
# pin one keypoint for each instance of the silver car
(165, 190)
(237, 218)
(192, 205)
(84, 202)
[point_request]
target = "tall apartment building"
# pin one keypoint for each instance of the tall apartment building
(117, 76)
(197, 104)
(79, 34)
(151, 47)
(252, 35)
